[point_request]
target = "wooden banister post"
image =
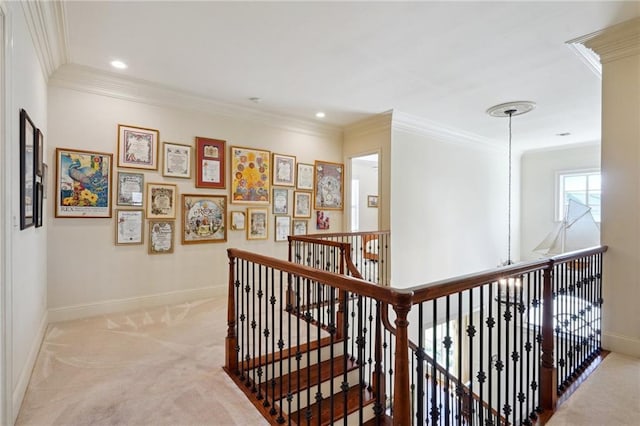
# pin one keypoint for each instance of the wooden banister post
(548, 371)
(231, 341)
(401, 399)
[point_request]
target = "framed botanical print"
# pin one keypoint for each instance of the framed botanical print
(284, 170)
(130, 189)
(176, 160)
(305, 177)
(250, 171)
(257, 228)
(210, 163)
(301, 204)
(27, 173)
(280, 201)
(137, 147)
(299, 227)
(161, 200)
(161, 236)
(237, 221)
(283, 228)
(204, 218)
(83, 183)
(129, 227)
(329, 183)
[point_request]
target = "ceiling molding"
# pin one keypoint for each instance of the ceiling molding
(91, 80)
(375, 124)
(615, 42)
(419, 126)
(588, 56)
(47, 25)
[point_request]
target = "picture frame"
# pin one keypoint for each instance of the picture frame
(130, 189)
(280, 201)
(304, 177)
(204, 218)
(129, 227)
(39, 166)
(45, 180)
(301, 204)
(27, 172)
(372, 201)
(282, 228)
(284, 170)
(238, 221)
(257, 226)
(137, 147)
(83, 184)
(161, 200)
(329, 185)
(323, 222)
(176, 160)
(210, 163)
(299, 227)
(39, 204)
(250, 171)
(161, 236)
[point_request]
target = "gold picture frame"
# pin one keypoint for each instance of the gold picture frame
(137, 147)
(161, 200)
(204, 218)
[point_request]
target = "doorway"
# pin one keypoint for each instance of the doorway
(364, 193)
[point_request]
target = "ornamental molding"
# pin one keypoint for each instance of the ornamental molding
(615, 42)
(378, 123)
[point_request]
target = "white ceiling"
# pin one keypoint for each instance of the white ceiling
(444, 62)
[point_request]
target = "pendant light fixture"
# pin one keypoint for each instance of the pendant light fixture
(510, 110)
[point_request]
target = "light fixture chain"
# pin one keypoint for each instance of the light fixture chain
(510, 112)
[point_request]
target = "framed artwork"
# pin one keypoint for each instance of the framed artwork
(210, 163)
(300, 227)
(280, 201)
(161, 236)
(204, 218)
(257, 228)
(329, 183)
(322, 221)
(130, 189)
(176, 160)
(161, 200)
(27, 163)
(372, 201)
(284, 170)
(129, 227)
(301, 204)
(237, 221)
(40, 153)
(83, 183)
(137, 147)
(305, 177)
(39, 204)
(250, 170)
(45, 180)
(283, 228)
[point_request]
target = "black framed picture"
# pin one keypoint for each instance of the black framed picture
(39, 203)
(27, 172)
(38, 157)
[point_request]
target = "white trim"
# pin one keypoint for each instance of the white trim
(91, 80)
(25, 374)
(588, 56)
(375, 124)
(67, 313)
(622, 344)
(615, 42)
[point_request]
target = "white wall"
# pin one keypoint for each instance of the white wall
(449, 208)
(366, 172)
(539, 204)
(88, 274)
(25, 252)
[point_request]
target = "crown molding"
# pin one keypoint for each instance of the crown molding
(91, 80)
(615, 42)
(419, 126)
(47, 24)
(375, 124)
(586, 55)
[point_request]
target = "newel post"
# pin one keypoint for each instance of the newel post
(401, 399)
(231, 341)
(548, 371)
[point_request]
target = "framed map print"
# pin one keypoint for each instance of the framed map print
(210, 163)
(329, 183)
(250, 171)
(204, 218)
(137, 147)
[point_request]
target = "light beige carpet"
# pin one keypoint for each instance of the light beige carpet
(153, 367)
(610, 396)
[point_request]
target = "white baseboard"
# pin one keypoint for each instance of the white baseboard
(25, 375)
(67, 313)
(621, 344)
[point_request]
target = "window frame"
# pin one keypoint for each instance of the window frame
(559, 207)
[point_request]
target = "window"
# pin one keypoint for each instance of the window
(582, 186)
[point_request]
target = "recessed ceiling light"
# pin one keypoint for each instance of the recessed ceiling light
(255, 99)
(320, 114)
(118, 64)
(563, 134)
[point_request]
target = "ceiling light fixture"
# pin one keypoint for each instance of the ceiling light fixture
(320, 114)
(510, 109)
(255, 99)
(118, 64)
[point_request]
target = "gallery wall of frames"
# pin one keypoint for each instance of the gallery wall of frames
(243, 188)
